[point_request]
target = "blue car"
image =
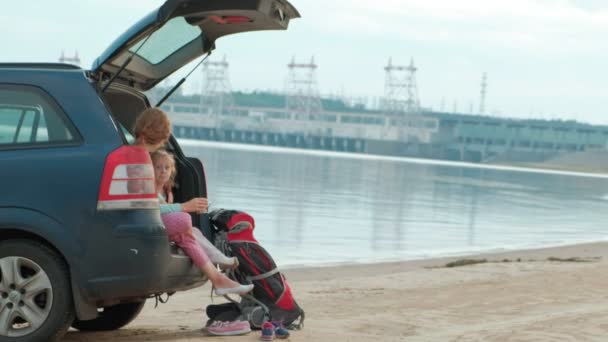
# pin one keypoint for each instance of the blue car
(78, 245)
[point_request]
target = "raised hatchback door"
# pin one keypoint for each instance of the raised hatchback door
(180, 31)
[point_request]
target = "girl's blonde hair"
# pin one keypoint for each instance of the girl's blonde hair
(153, 126)
(160, 154)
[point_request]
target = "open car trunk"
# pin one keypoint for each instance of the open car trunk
(168, 38)
(125, 104)
(180, 31)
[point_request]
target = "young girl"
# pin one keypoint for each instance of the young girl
(165, 171)
(152, 130)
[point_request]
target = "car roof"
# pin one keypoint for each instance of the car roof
(60, 66)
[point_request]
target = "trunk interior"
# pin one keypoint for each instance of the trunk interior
(125, 104)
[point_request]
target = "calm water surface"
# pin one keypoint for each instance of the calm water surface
(322, 207)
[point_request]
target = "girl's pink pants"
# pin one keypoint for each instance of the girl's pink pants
(179, 230)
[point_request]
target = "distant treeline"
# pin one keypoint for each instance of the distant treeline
(262, 99)
(274, 100)
(570, 124)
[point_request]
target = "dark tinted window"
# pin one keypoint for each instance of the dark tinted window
(28, 116)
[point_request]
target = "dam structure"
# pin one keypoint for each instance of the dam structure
(449, 136)
(300, 118)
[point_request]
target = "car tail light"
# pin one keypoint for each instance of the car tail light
(128, 180)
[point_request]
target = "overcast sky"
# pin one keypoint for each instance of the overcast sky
(544, 58)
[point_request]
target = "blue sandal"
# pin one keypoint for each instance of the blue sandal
(280, 331)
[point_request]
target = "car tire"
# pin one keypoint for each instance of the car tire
(36, 301)
(111, 317)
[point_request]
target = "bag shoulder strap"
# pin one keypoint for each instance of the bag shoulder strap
(264, 275)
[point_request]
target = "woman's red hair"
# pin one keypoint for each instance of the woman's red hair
(153, 126)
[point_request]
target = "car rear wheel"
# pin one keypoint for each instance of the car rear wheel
(111, 317)
(35, 294)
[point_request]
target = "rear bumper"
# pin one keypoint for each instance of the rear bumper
(137, 262)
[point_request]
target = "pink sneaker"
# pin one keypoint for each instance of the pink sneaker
(267, 332)
(229, 328)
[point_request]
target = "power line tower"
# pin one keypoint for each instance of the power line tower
(484, 87)
(71, 60)
(216, 93)
(301, 89)
(400, 89)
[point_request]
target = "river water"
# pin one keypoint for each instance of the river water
(318, 208)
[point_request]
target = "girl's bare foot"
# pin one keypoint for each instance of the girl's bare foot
(240, 290)
(224, 286)
(225, 282)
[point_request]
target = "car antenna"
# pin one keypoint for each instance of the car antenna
(181, 81)
(124, 65)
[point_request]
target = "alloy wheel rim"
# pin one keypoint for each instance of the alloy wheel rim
(26, 296)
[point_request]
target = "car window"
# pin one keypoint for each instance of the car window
(175, 34)
(29, 117)
(130, 138)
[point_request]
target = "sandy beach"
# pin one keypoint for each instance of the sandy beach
(553, 294)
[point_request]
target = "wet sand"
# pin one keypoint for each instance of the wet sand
(513, 296)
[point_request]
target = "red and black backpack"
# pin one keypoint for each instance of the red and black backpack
(271, 298)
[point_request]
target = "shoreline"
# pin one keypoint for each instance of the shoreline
(529, 298)
(580, 250)
(558, 247)
(513, 167)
